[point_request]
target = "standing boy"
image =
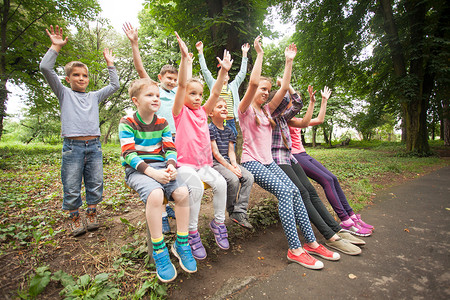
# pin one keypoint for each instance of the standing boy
(81, 153)
(149, 157)
(239, 180)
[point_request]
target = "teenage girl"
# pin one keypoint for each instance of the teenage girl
(256, 125)
(351, 222)
(317, 212)
(195, 156)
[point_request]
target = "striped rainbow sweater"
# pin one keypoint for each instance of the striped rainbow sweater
(145, 143)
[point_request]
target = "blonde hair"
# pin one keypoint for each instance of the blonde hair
(168, 69)
(137, 85)
(192, 80)
(68, 68)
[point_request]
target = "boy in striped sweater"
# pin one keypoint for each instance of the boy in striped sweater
(149, 157)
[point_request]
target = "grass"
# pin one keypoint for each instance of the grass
(32, 234)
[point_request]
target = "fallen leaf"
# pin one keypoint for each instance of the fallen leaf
(406, 229)
(352, 276)
(447, 208)
(304, 274)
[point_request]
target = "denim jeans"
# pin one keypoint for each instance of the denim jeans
(81, 160)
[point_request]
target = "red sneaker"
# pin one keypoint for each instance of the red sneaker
(322, 252)
(305, 260)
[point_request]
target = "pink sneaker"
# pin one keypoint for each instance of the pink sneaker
(355, 228)
(362, 223)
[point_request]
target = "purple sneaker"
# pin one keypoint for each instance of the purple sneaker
(198, 251)
(362, 223)
(220, 234)
(355, 229)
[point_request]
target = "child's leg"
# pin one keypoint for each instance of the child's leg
(232, 186)
(268, 181)
(335, 185)
(93, 173)
(190, 177)
(313, 215)
(325, 181)
(244, 193)
(153, 210)
(219, 186)
(181, 198)
(72, 165)
(301, 215)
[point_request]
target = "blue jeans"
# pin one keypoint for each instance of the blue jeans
(81, 160)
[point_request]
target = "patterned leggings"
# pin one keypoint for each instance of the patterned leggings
(291, 209)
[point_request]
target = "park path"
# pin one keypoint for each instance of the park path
(406, 258)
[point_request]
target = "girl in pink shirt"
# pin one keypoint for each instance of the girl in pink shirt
(195, 156)
(256, 125)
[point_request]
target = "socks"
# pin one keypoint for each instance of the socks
(91, 210)
(182, 238)
(158, 244)
(354, 217)
(348, 222)
(74, 214)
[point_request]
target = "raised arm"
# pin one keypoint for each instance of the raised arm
(114, 84)
(225, 65)
(326, 93)
(132, 35)
(243, 70)
(182, 78)
(209, 79)
(48, 61)
(305, 121)
(190, 60)
(289, 53)
(254, 77)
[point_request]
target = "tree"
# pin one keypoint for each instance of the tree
(23, 40)
(408, 38)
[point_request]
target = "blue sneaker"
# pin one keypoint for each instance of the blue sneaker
(165, 225)
(184, 255)
(170, 212)
(165, 270)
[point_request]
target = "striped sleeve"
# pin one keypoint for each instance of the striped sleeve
(129, 154)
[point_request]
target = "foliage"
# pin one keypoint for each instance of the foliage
(335, 38)
(23, 39)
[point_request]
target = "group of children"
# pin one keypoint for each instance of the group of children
(169, 150)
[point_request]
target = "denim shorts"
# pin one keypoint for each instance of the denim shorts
(144, 184)
(81, 161)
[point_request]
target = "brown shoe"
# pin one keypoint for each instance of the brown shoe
(350, 238)
(92, 219)
(344, 246)
(76, 225)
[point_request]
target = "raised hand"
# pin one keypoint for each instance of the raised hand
(290, 51)
(279, 81)
(183, 48)
(132, 33)
(227, 61)
(257, 45)
(326, 93)
(245, 48)
(311, 93)
(109, 57)
(56, 36)
(199, 46)
(190, 57)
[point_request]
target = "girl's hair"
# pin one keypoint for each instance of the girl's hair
(191, 80)
(258, 122)
(266, 79)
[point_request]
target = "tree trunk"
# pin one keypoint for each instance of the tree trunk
(445, 133)
(325, 135)
(314, 132)
(108, 133)
(3, 76)
(414, 104)
(302, 136)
